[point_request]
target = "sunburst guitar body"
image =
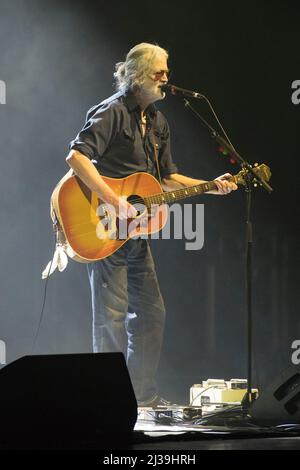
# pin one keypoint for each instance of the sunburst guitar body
(91, 229)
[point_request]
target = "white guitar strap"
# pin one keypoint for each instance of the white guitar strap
(62, 249)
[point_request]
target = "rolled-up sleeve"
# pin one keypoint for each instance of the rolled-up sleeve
(96, 134)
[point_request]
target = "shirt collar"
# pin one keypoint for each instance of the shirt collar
(132, 105)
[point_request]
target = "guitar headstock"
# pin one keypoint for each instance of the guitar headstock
(263, 171)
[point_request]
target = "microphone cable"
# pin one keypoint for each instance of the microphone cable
(43, 303)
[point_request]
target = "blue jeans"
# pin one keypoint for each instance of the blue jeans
(129, 312)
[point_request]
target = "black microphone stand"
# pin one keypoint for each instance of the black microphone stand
(250, 174)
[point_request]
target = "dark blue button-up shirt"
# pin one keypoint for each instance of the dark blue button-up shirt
(112, 138)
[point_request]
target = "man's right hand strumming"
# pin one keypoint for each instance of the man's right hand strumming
(124, 209)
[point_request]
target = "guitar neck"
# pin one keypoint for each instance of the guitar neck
(172, 196)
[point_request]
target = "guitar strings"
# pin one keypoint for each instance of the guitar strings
(157, 198)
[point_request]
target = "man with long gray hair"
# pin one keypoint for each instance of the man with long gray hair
(123, 135)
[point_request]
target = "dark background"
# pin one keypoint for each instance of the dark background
(57, 59)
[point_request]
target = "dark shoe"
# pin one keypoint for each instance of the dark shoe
(156, 403)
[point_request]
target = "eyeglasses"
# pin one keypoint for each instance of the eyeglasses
(158, 75)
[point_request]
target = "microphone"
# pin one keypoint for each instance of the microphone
(175, 90)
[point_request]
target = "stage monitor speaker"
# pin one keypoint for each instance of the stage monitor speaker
(68, 394)
(279, 403)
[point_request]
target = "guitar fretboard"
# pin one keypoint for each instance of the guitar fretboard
(172, 196)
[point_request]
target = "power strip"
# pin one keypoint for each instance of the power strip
(186, 413)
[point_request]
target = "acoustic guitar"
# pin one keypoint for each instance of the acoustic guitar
(90, 229)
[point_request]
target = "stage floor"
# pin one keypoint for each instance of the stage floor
(227, 429)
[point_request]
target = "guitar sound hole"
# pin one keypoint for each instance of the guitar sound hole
(138, 203)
